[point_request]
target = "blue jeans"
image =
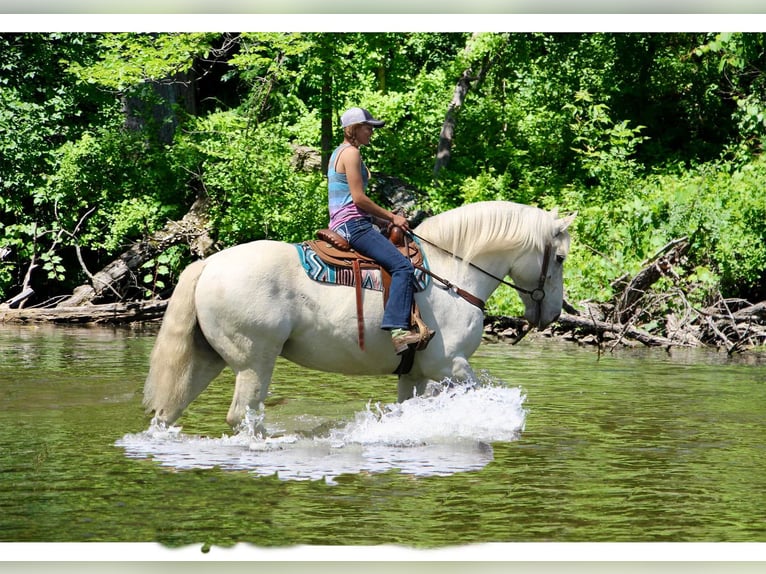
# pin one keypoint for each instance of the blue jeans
(368, 241)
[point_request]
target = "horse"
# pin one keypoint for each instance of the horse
(248, 304)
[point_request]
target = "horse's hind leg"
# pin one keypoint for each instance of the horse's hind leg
(251, 387)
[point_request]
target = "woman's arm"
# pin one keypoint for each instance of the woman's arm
(351, 162)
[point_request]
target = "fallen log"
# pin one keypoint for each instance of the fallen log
(757, 311)
(514, 328)
(21, 297)
(735, 330)
(107, 313)
(599, 328)
(626, 303)
(192, 228)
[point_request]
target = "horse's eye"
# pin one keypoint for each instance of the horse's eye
(561, 259)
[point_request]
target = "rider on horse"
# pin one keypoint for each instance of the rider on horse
(352, 214)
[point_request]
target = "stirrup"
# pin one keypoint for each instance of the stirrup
(417, 337)
(424, 333)
(404, 342)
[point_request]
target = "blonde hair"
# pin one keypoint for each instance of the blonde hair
(349, 132)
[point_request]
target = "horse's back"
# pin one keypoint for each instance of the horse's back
(251, 259)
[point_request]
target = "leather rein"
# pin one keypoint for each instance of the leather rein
(537, 294)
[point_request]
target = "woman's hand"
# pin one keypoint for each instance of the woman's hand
(400, 221)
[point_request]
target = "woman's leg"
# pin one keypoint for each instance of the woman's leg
(369, 241)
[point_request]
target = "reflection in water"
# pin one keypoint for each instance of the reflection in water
(435, 436)
(636, 446)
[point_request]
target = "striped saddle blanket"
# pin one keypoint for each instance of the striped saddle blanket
(319, 270)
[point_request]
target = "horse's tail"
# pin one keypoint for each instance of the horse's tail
(182, 363)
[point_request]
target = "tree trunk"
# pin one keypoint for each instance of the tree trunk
(599, 328)
(108, 313)
(327, 51)
(467, 78)
(326, 120)
(396, 195)
(627, 302)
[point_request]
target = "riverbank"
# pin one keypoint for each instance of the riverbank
(730, 326)
(734, 330)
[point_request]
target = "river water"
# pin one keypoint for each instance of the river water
(557, 444)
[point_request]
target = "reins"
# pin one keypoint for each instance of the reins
(537, 294)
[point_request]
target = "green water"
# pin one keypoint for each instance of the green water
(633, 446)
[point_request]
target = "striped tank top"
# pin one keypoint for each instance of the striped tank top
(342, 207)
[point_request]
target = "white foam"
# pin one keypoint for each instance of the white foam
(484, 413)
(425, 436)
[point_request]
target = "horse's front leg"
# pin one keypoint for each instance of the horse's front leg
(409, 386)
(462, 371)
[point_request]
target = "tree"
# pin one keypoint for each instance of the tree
(467, 77)
(106, 138)
(40, 109)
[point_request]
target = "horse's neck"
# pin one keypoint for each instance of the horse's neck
(484, 253)
(465, 275)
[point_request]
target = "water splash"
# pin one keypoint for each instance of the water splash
(252, 425)
(447, 431)
(484, 413)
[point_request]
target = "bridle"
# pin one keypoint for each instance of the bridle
(537, 294)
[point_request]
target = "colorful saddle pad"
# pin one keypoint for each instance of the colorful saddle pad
(319, 270)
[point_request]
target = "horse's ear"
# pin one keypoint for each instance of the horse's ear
(563, 223)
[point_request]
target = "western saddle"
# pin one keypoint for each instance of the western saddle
(334, 249)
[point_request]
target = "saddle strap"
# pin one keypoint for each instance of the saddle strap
(359, 303)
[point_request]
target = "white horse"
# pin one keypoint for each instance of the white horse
(249, 304)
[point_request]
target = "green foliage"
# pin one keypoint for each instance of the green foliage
(604, 148)
(52, 263)
(132, 186)
(405, 147)
(650, 137)
(256, 193)
(39, 112)
(722, 212)
(127, 60)
(159, 274)
(741, 58)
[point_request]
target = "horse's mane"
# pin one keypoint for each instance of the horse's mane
(488, 227)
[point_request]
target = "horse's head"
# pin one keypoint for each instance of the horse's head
(493, 236)
(541, 274)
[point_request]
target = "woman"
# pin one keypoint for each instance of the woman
(352, 213)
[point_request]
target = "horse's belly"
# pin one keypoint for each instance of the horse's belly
(342, 355)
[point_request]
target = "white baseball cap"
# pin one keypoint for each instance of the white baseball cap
(359, 116)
